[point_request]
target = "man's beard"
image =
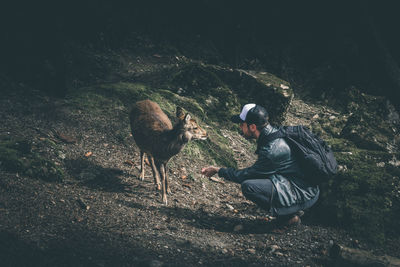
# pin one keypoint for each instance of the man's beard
(248, 137)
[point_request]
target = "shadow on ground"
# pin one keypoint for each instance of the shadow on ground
(203, 220)
(95, 176)
(80, 247)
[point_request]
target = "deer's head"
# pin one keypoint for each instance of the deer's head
(190, 128)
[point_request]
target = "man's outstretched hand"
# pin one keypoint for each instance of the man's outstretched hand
(209, 171)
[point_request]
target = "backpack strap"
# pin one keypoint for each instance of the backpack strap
(278, 134)
(272, 136)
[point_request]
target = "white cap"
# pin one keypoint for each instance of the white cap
(245, 110)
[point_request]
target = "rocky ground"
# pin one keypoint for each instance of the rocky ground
(78, 200)
(100, 214)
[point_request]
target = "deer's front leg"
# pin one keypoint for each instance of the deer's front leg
(142, 156)
(155, 174)
(166, 180)
(164, 192)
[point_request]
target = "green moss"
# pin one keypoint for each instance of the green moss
(90, 101)
(108, 96)
(193, 150)
(269, 78)
(368, 131)
(9, 159)
(168, 102)
(196, 79)
(329, 127)
(17, 156)
(340, 145)
(362, 197)
(219, 153)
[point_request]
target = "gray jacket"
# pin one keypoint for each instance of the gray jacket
(276, 162)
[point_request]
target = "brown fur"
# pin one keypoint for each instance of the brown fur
(155, 136)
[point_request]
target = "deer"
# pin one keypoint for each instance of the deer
(159, 140)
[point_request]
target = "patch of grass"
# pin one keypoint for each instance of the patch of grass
(341, 145)
(17, 156)
(328, 127)
(193, 150)
(106, 97)
(91, 101)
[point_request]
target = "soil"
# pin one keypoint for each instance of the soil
(100, 214)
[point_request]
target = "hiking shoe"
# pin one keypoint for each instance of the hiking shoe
(294, 221)
(300, 213)
(284, 225)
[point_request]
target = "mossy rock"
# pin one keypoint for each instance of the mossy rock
(329, 126)
(370, 131)
(363, 197)
(261, 88)
(355, 100)
(16, 155)
(372, 122)
(228, 89)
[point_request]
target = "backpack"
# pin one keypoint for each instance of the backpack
(315, 157)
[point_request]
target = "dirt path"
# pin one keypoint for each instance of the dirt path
(102, 215)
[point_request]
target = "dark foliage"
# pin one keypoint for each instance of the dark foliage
(320, 46)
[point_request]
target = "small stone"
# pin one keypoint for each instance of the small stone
(251, 251)
(316, 116)
(394, 162)
(380, 164)
(230, 207)
(332, 117)
(342, 168)
(284, 86)
(274, 248)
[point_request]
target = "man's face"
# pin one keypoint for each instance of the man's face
(247, 133)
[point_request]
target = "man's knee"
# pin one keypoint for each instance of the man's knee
(247, 188)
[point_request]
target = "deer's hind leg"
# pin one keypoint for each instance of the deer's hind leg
(156, 175)
(142, 157)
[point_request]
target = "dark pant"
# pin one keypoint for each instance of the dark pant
(259, 191)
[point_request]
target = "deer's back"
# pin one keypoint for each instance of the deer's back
(148, 122)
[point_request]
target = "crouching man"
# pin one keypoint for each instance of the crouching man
(275, 181)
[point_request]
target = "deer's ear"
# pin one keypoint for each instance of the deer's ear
(179, 113)
(187, 118)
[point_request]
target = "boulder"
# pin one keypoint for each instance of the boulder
(373, 123)
(232, 88)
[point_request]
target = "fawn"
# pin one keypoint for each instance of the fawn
(154, 135)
